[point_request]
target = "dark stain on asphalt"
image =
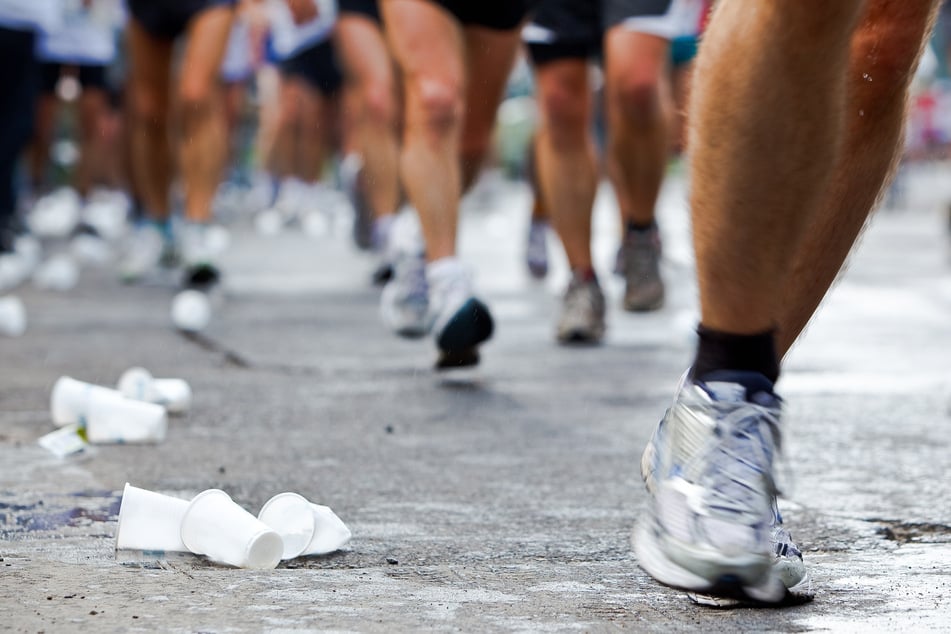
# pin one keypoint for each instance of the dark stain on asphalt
(913, 532)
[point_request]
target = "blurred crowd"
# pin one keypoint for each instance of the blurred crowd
(136, 129)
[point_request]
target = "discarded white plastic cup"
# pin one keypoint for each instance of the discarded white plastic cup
(69, 400)
(215, 526)
(191, 311)
(330, 533)
(305, 527)
(123, 420)
(12, 316)
(291, 516)
(175, 395)
(150, 521)
(108, 417)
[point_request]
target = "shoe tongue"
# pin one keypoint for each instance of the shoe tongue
(736, 386)
(725, 392)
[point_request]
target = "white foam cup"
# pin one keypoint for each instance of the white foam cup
(12, 316)
(136, 383)
(150, 521)
(175, 395)
(69, 400)
(191, 310)
(116, 419)
(307, 528)
(330, 533)
(291, 516)
(215, 526)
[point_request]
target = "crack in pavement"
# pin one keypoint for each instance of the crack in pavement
(912, 532)
(205, 342)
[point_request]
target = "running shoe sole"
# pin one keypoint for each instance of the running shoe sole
(458, 342)
(202, 277)
(644, 307)
(744, 579)
(382, 274)
(581, 337)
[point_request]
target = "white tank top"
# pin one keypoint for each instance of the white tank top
(84, 35)
(289, 38)
(29, 14)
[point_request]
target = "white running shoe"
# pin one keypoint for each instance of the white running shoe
(460, 321)
(20, 254)
(712, 525)
(202, 246)
(289, 202)
(56, 214)
(107, 211)
(404, 303)
(203, 243)
(13, 270)
(145, 250)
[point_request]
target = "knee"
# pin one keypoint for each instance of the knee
(289, 112)
(148, 107)
(637, 99)
(196, 100)
(564, 117)
(438, 105)
(379, 105)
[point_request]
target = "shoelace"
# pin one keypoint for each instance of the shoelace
(412, 274)
(641, 257)
(741, 463)
(578, 300)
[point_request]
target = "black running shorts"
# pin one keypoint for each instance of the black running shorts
(367, 8)
(89, 76)
(317, 66)
(500, 15)
(167, 19)
(563, 29)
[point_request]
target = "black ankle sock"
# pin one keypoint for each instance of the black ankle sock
(746, 353)
(632, 226)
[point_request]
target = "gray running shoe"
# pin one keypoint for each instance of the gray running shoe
(404, 303)
(712, 526)
(351, 181)
(146, 250)
(639, 260)
(582, 312)
(536, 249)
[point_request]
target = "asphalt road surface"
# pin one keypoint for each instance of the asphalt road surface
(502, 500)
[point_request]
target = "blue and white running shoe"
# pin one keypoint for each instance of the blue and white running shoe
(712, 526)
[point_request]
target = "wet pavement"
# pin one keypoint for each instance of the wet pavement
(498, 501)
